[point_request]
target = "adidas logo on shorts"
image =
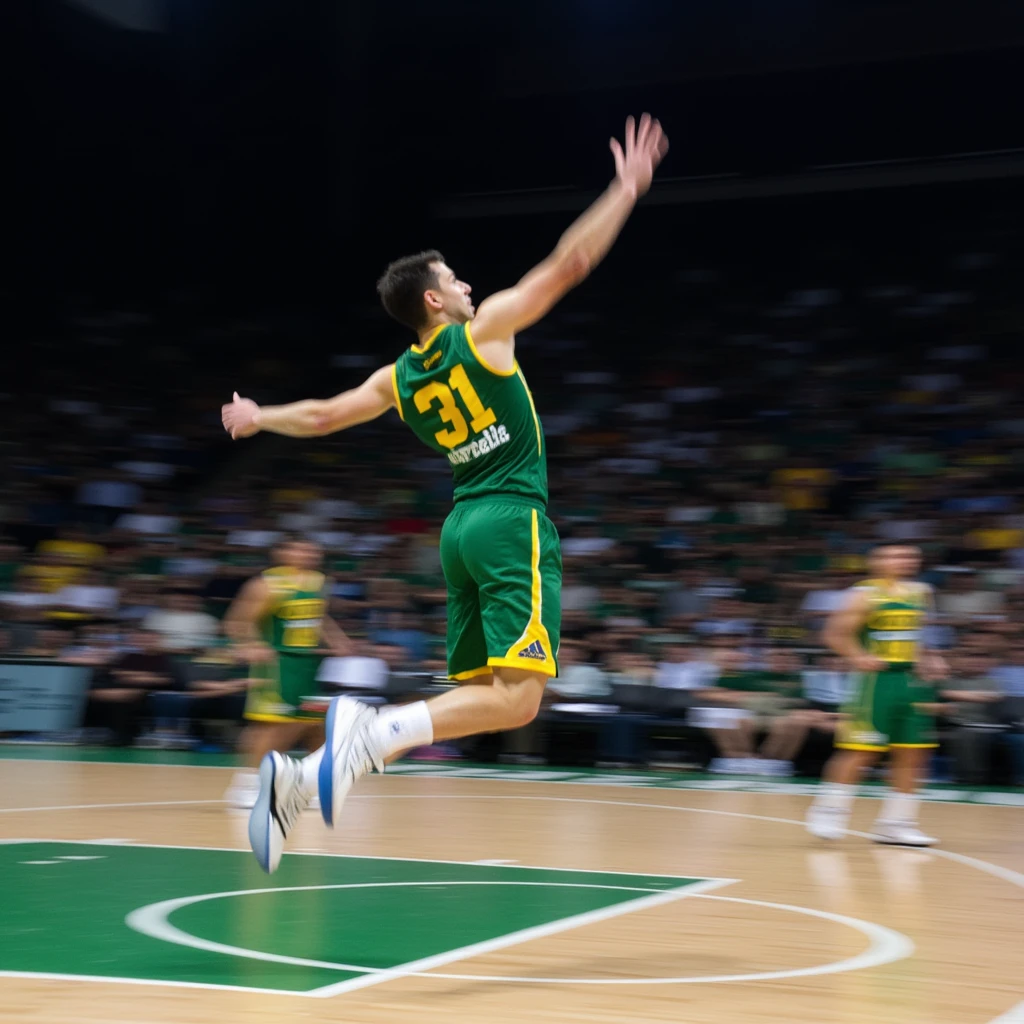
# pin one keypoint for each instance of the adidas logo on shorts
(534, 651)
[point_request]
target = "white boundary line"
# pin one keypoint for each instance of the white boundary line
(359, 856)
(105, 807)
(1012, 1016)
(150, 982)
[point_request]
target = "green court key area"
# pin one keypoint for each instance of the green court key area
(211, 917)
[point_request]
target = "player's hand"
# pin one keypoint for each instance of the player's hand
(256, 653)
(930, 667)
(645, 147)
(240, 417)
(868, 663)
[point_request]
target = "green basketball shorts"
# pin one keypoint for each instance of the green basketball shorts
(883, 712)
(277, 688)
(503, 565)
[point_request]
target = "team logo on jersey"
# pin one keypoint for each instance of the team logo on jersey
(431, 360)
(535, 651)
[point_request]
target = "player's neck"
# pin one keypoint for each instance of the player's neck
(433, 327)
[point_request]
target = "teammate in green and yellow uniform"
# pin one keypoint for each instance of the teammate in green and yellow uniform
(460, 390)
(879, 633)
(279, 621)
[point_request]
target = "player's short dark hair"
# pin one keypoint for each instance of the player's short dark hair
(402, 285)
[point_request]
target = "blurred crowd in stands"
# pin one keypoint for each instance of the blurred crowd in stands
(716, 493)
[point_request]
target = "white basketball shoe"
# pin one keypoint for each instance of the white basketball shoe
(350, 752)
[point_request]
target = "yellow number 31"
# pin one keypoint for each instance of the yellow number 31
(450, 412)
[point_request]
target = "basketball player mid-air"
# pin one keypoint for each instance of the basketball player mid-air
(460, 390)
(879, 632)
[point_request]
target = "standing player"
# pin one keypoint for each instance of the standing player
(878, 632)
(460, 390)
(278, 620)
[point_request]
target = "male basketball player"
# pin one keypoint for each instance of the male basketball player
(878, 632)
(460, 390)
(278, 620)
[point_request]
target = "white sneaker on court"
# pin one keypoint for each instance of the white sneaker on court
(277, 807)
(350, 752)
(901, 833)
(826, 822)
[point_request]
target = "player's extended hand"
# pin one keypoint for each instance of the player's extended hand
(930, 667)
(868, 663)
(240, 417)
(645, 147)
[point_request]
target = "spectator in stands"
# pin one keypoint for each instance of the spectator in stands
(117, 699)
(181, 624)
(974, 696)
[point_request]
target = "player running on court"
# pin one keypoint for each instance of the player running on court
(879, 633)
(460, 390)
(279, 622)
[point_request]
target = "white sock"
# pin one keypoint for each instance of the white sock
(402, 728)
(899, 807)
(836, 796)
(309, 767)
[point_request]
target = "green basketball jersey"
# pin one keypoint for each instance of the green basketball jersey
(293, 625)
(896, 618)
(483, 420)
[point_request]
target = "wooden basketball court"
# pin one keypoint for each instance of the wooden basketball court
(130, 896)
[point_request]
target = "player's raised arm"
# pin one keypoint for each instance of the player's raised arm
(583, 245)
(313, 417)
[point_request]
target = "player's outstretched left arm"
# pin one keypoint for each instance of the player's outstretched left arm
(313, 417)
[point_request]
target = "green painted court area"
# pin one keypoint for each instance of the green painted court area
(317, 922)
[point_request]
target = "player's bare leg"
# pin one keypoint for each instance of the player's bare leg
(829, 813)
(897, 819)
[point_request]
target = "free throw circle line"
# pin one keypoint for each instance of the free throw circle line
(885, 945)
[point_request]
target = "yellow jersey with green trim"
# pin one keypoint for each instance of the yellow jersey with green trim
(895, 620)
(481, 419)
(299, 603)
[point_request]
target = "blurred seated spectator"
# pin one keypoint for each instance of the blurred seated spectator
(974, 696)
(89, 598)
(745, 703)
(681, 667)
(181, 623)
(117, 698)
(150, 520)
(579, 680)
(1009, 674)
(962, 600)
(399, 629)
(49, 643)
(73, 546)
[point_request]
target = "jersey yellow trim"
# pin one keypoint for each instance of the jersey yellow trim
(859, 746)
(431, 338)
(535, 635)
(533, 408)
(394, 388)
(255, 716)
(539, 668)
(473, 673)
(483, 362)
(914, 746)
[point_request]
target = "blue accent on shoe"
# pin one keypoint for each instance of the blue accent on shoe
(260, 822)
(325, 778)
